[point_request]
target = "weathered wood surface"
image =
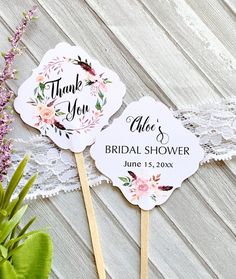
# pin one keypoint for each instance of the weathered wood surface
(180, 52)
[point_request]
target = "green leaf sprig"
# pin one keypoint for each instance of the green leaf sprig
(23, 254)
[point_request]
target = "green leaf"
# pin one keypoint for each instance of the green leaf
(12, 223)
(25, 228)
(100, 94)
(7, 271)
(19, 238)
(13, 251)
(41, 86)
(59, 113)
(154, 197)
(1, 195)
(40, 98)
(32, 102)
(104, 101)
(23, 193)
(107, 81)
(33, 260)
(22, 232)
(4, 251)
(3, 212)
(98, 106)
(11, 205)
(123, 179)
(15, 179)
(89, 82)
(21, 197)
(28, 255)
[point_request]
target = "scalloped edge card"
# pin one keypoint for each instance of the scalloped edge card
(147, 153)
(69, 97)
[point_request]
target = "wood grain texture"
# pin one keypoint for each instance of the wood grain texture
(144, 244)
(180, 52)
(91, 216)
(231, 5)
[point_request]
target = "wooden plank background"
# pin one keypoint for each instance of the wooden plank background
(178, 51)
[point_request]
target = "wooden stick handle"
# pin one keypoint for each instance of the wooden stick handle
(144, 243)
(91, 215)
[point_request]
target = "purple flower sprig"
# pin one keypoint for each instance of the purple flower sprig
(7, 95)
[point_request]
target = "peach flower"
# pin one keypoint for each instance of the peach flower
(47, 113)
(97, 114)
(41, 107)
(40, 78)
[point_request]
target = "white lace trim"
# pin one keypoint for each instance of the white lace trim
(214, 124)
(57, 168)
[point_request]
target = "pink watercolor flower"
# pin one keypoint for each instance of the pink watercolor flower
(102, 85)
(49, 121)
(98, 84)
(141, 186)
(94, 89)
(40, 78)
(46, 113)
(154, 182)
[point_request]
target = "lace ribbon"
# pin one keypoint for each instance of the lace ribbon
(56, 167)
(214, 124)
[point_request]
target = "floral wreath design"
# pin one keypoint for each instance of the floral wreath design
(48, 114)
(141, 187)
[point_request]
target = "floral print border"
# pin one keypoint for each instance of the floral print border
(48, 114)
(141, 187)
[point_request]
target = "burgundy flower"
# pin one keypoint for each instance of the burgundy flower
(87, 68)
(132, 174)
(165, 188)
